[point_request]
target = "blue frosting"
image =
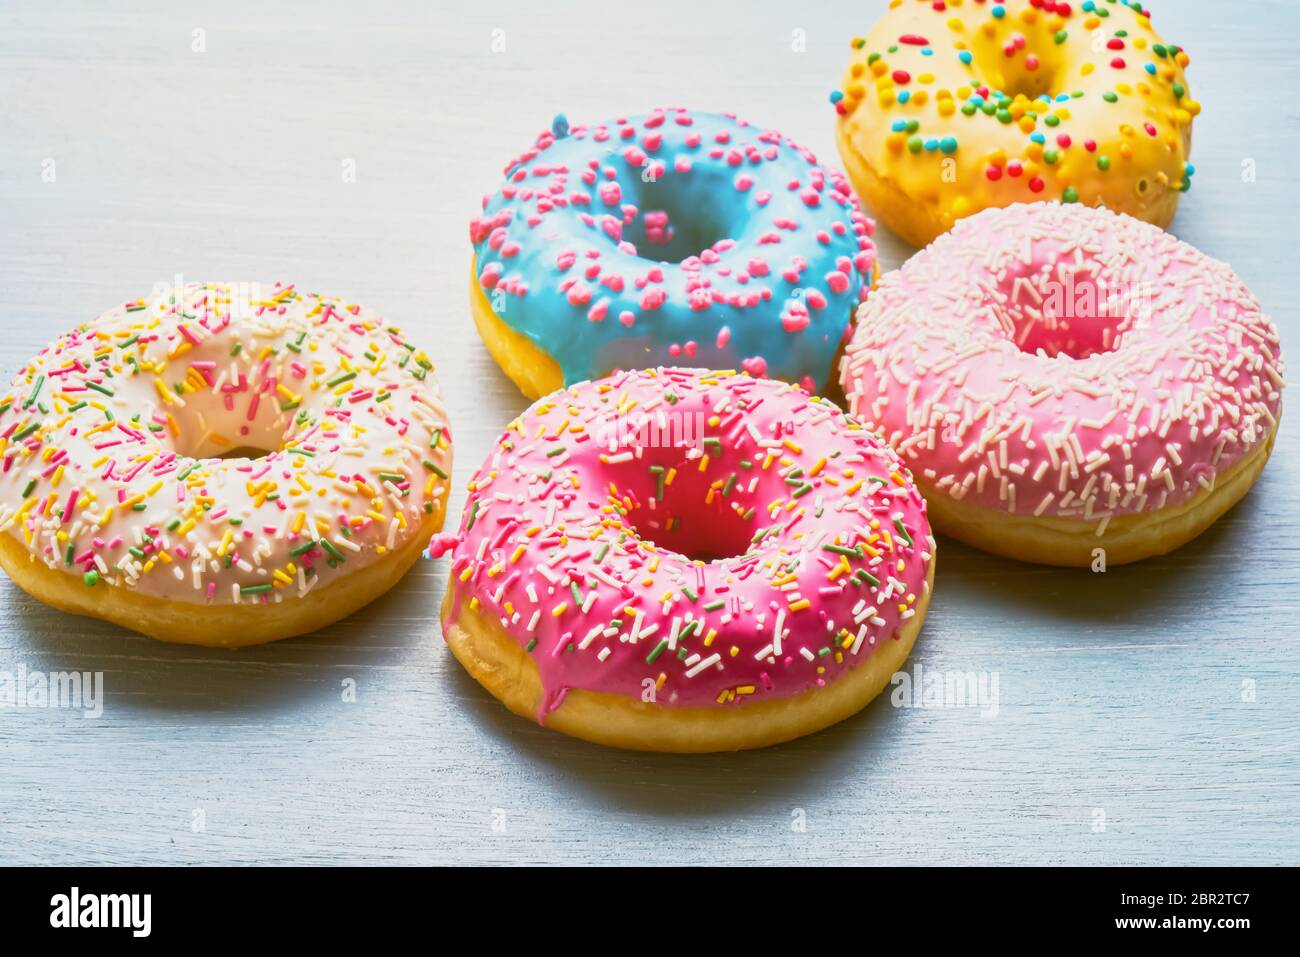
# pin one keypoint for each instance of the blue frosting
(675, 238)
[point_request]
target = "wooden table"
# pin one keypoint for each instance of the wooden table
(1147, 715)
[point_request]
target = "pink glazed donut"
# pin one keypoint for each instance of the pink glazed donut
(1071, 386)
(686, 560)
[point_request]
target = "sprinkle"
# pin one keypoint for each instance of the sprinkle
(36, 390)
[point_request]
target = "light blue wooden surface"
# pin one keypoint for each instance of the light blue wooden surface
(1148, 715)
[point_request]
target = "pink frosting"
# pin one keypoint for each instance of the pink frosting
(579, 526)
(1065, 361)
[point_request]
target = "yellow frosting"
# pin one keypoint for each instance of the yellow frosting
(951, 107)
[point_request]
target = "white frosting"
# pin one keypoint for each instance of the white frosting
(106, 440)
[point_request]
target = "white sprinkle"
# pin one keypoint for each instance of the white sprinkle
(713, 659)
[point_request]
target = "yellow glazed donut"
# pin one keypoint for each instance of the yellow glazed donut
(950, 107)
(116, 502)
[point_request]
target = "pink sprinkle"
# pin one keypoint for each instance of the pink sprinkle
(795, 318)
(67, 510)
(611, 194)
(653, 298)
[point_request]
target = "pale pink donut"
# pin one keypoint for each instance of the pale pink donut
(1063, 378)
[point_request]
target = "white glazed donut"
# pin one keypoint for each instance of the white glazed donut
(114, 501)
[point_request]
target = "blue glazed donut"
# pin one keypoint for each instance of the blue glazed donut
(671, 238)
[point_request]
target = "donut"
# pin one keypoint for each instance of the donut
(133, 484)
(674, 238)
(687, 560)
(950, 108)
(1070, 386)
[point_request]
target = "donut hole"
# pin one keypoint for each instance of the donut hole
(1015, 65)
(246, 452)
(208, 429)
(679, 487)
(680, 215)
(1066, 310)
(688, 520)
(1030, 85)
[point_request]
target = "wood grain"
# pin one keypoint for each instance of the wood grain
(1120, 693)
